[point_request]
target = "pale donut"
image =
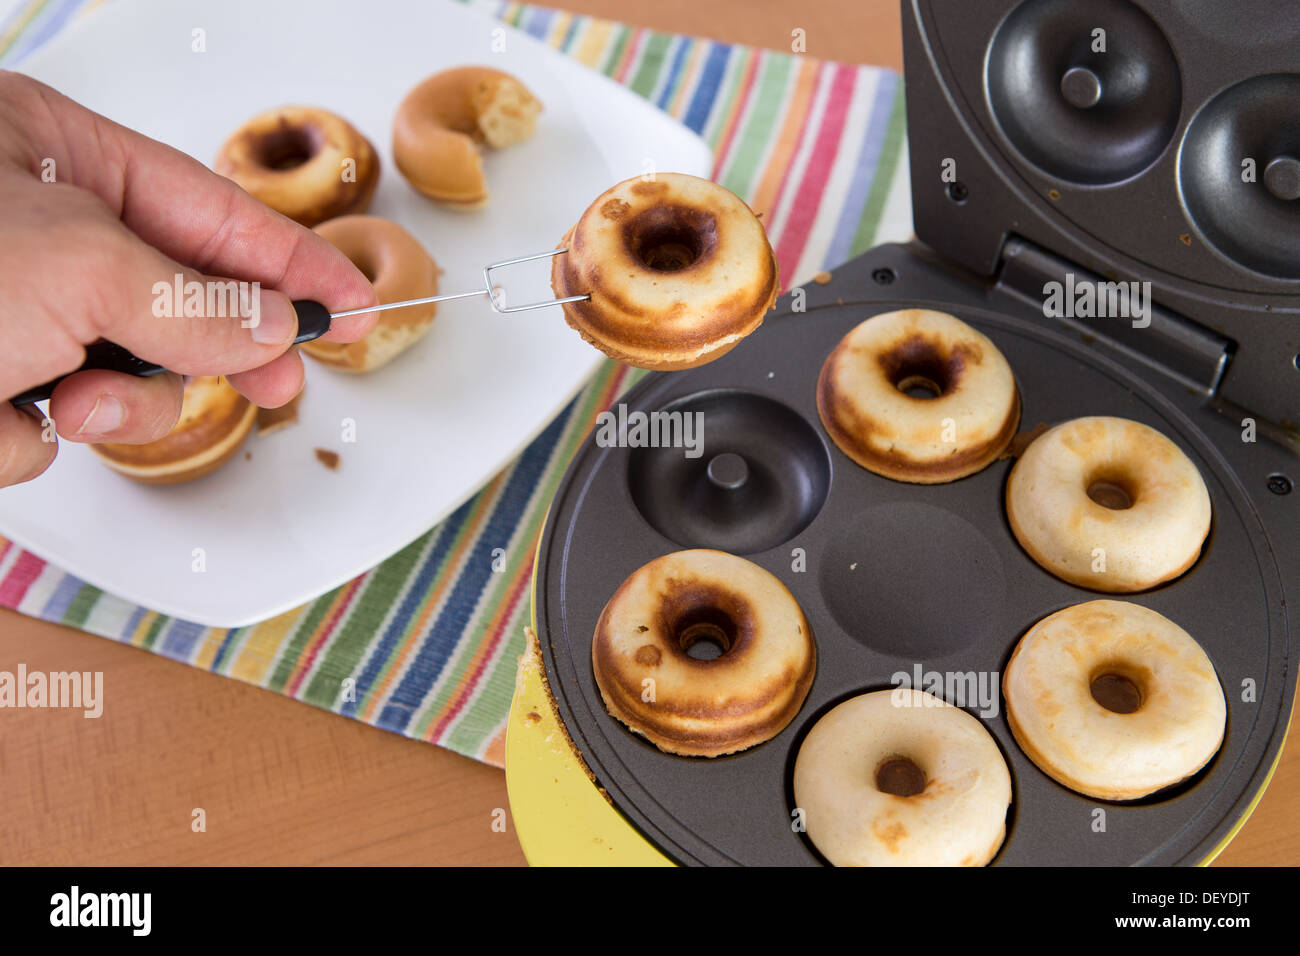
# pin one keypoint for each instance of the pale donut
(678, 270)
(863, 401)
(215, 419)
(441, 123)
(1094, 546)
(399, 268)
(703, 708)
(1077, 741)
(304, 162)
(957, 819)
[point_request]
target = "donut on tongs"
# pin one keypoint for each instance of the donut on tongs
(675, 271)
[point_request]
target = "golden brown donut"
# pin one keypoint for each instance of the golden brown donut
(703, 708)
(1114, 700)
(304, 162)
(215, 420)
(678, 270)
(441, 123)
(1108, 503)
(965, 415)
(399, 268)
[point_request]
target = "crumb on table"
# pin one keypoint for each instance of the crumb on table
(330, 459)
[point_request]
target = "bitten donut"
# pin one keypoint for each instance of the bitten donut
(918, 396)
(1108, 504)
(441, 124)
(686, 704)
(902, 778)
(677, 269)
(399, 268)
(215, 420)
(1113, 700)
(304, 162)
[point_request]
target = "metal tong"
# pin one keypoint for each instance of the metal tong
(313, 322)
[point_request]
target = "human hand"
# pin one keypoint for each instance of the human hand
(95, 215)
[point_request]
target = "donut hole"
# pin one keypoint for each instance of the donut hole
(704, 642)
(900, 776)
(670, 238)
(920, 369)
(703, 630)
(702, 618)
(1117, 689)
(1112, 492)
(288, 148)
(918, 386)
(705, 633)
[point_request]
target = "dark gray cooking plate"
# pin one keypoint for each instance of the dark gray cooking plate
(900, 575)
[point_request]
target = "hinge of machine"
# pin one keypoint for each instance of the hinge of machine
(1120, 312)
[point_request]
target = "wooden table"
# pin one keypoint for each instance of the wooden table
(284, 783)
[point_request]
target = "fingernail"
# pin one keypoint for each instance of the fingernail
(105, 416)
(275, 322)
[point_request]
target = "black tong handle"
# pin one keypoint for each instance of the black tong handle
(313, 322)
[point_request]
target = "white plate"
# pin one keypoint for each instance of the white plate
(432, 427)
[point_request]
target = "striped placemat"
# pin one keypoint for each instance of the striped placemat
(431, 635)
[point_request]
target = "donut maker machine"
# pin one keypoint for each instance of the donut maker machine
(1050, 141)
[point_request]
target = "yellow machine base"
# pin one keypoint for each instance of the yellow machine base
(560, 817)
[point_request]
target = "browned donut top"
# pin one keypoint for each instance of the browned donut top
(444, 101)
(307, 163)
(678, 270)
(703, 707)
(918, 395)
(688, 608)
(440, 124)
(399, 268)
(391, 258)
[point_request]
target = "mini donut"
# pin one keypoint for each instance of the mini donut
(902, 778)
(1113, 700)
(399, 268)
(441, 123)
(215, 420)
(303, 162)
(678, 270)
(918, 396)
(696, 707)
(1108, 504)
